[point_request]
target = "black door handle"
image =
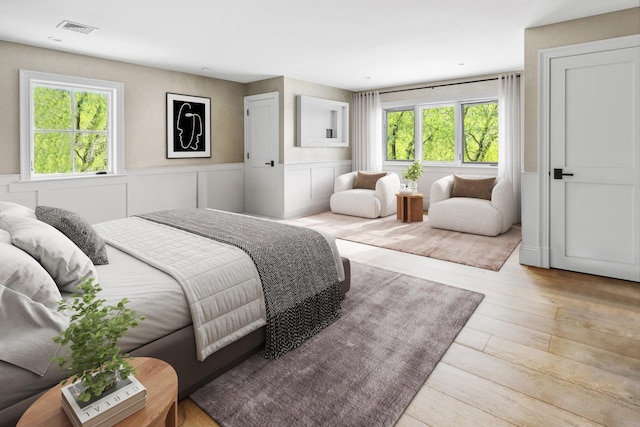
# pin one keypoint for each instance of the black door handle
(270, 163)
(557, 174)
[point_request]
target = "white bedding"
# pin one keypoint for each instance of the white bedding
(151, 293)
(220, 282)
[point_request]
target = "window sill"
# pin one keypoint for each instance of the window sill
(406, 163)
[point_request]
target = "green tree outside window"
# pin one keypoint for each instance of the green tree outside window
(481, 132)
(70, 131)
(401, 135)
(438, 134)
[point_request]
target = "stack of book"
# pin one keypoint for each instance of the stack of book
(125, 398)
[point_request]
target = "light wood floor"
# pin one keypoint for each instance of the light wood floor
(544, 348)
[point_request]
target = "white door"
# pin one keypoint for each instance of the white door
(594, 162)
(261, 141)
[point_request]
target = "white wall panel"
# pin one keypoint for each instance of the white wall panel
(308, 186)
(138, 191)
(94, 203)
(531, 249)
(155, 192)
(222, 188)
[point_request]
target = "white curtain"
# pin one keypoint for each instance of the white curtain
(366, 147)
(510, 134)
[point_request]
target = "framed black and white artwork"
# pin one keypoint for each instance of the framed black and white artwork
(188, 126)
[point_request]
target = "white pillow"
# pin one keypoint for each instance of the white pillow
(5, 237)
(16, 209)
(23, 274)
(63, 260)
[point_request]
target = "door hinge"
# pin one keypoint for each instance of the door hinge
(248, 156)
(247, 111)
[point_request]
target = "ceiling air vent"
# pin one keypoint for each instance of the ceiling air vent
(74, 26)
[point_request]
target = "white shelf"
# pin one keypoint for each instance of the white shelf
(322, 122)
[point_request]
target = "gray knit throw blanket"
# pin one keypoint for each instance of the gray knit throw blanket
(296, 266)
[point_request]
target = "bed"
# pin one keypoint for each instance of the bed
(197, 291)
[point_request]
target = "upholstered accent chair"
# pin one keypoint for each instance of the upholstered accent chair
(472, 204)
(365, 194)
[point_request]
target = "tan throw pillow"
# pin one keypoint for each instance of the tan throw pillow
(477, 188)
(368, 180)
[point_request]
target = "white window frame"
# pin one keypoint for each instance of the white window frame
(115, 127)
(418, 106)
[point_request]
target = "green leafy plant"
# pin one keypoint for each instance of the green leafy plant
(413, 172)
(92, 335)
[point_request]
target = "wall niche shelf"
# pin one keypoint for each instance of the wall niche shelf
(322, 122)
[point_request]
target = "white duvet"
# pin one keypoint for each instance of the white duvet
(220, 282)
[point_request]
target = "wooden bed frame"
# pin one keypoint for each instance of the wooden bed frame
(177, 349)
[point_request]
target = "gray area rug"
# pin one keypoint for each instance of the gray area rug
(363, 370)
(418, 238)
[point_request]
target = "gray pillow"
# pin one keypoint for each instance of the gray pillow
(78, 230)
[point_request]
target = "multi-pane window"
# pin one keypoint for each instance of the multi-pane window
(438, 134)
(401, 135)
(480, 132)
(455, 133)
(72, 126)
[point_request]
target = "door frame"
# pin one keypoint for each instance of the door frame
(544, 85)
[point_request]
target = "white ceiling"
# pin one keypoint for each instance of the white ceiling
(350, 44)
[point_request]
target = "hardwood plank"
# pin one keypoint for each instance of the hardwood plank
(578, 373)
(590, 320)
(472, 338)
(408, 421)
(605, 341)
(533, 307)
(501, 401)
(190, 415)
(602, 288)
(544, 387)
(627, 367)
(510, 331)
(435, 408)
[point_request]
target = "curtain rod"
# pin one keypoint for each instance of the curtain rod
(442, 85)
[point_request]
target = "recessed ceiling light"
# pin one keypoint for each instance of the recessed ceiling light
(367, 77)
(205, 68)
(461, 64)
(54, 39)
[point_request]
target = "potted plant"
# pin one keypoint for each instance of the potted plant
(92, 335)
(413, 174)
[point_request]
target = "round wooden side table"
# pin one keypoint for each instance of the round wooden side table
(157, 376)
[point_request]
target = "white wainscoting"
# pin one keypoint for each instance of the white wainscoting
(531, 250)
(308, 186)
(143, 190)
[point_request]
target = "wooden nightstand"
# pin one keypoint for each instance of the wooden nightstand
(410, 207)
(158, 377)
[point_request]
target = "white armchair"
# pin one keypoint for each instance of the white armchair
(470, 214)
(379, 199)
